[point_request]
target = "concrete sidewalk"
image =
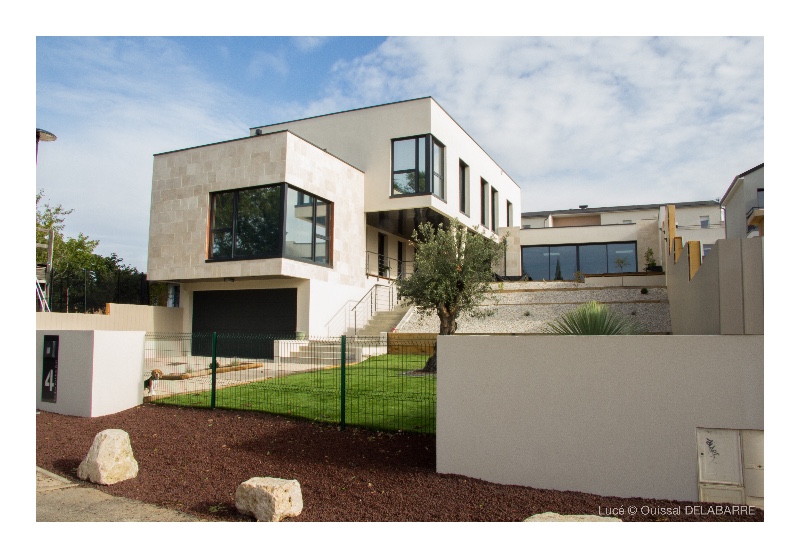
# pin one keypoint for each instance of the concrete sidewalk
(60, 499)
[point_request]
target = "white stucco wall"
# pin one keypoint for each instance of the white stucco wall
(99, 372)
(726, 295)
(739, 200)
(577, 235)
(609, 415)
(363, 137)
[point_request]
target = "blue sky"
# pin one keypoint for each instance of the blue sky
(597, 121)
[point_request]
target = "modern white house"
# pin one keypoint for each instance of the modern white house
(280, 231)
(744, 204)
(555, 245)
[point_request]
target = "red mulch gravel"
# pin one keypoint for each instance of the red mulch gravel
(192, 460)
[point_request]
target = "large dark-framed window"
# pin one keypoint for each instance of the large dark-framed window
(271, 221)
(418, 166)
(561, 262)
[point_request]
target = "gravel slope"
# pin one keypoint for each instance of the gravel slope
(193, 459)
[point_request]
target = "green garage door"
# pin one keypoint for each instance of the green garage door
(246, 321)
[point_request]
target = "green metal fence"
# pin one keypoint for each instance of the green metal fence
(367, 382)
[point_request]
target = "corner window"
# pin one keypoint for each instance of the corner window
(269, 222)
(417, 166)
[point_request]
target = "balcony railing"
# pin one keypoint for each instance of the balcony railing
(379, 265)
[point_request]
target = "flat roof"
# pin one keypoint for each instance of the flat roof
(388, 104)
(262, 136)
(617, 208)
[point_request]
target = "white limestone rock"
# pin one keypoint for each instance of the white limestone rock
(269, 499)
(555, 517)
(110, 459)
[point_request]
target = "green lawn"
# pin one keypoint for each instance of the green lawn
(379, 394)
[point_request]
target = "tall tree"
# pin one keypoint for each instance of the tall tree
(92, 279)
(452, 271)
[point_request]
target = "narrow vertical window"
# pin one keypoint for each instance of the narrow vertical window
(484, 194)
(437, 169)
(495, 208)
(509, 214)
(463, 187)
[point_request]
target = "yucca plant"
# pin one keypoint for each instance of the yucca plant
(594, 318)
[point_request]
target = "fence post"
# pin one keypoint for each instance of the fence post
(342, 381)
(214, 370)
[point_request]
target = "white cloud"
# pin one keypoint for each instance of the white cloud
(262, 62)
(307, 44)
(601, 121)
(125, 101)
(586, 120)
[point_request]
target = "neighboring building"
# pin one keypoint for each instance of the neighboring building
(557, 244)
(281, 231)
(744, 204)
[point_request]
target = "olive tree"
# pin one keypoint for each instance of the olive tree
(452, 271)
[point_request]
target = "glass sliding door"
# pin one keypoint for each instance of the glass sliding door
(563, 262)
(622, 257)
(593, 258)
(536, 262)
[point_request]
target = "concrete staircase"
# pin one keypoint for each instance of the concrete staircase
(381, 322)
(322, 353)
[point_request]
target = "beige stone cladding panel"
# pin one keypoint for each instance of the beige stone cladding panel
(647, 236)
(511, 263)
(311, 169)
(363, 138)
(182, 182)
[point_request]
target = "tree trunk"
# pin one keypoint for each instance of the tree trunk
(447, 326)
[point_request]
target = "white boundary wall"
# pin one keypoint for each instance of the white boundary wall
(608, 415)
(99, 372)
(120, 317)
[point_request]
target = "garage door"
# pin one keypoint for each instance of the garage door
(251, 315)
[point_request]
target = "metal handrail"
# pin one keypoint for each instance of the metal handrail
(373, 303)
(386, 264)
(41, 297)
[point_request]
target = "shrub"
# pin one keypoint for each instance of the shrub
(644, 290)
(594, 318)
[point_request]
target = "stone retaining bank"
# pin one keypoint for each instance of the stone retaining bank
(528, 311)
